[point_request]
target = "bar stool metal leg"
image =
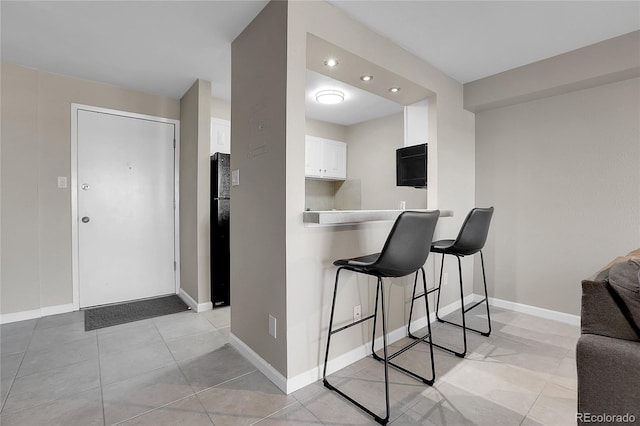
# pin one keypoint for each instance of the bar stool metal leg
(439, 287)
(418, 340)
(405, 252)
(330, 332)
(386, 358)
(470, 240)
(379, 292)
(424, 293)
(486, 295)
(413, 299)
(464, 310)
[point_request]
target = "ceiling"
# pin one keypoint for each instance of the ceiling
(358, 106)
(161, 47)
(469, 40)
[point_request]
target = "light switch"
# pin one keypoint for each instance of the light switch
(235, 177)
(272, 326)
(62, 181)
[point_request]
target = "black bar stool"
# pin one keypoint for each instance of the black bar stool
(405, 252)
(470, 240)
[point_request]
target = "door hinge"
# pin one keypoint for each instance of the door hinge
(174, 265)
(174, 143)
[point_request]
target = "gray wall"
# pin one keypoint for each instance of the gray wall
(322, 129)
(311, 251)
(372, 159)
(280, 266)
(220, 109)
(195, 183)
(562, 172)
(36, 149)
(258, 214)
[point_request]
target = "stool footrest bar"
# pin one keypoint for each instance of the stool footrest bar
(474, 305)
(484, 333)
(352, 324)
(429, 291)
(409, 346)
(403, 350)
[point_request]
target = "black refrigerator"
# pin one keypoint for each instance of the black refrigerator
(220, 203)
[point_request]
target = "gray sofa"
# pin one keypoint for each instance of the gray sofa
(608, 351)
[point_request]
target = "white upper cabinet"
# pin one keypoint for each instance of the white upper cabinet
(220, 136)
(416, 123)
(325, 158)
(312, 157)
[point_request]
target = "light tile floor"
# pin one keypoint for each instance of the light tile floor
(180, 370)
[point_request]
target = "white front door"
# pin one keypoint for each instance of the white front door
(125, 207)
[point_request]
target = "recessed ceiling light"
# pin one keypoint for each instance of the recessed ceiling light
(331, 62)
(330, 97)
(394, 89)
(366, 78)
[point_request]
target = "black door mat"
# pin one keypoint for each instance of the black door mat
(106, 316)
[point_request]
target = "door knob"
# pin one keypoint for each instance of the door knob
(85, 186)
(85, 219)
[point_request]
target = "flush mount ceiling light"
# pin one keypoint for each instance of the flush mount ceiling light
(329, 97)
(331, 62)
(366, 78)
(394, 89)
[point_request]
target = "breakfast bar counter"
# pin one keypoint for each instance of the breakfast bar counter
(349, 217)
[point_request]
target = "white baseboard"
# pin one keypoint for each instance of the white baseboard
(36, 313)
(342, 361)
(310, 376)
(533, 310)
(265, 368)
(306, 378)
(195, 306)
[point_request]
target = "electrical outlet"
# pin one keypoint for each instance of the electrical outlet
(272, 326)
(357, 313)
(235, 177)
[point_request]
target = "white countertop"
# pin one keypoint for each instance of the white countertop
(345, 217)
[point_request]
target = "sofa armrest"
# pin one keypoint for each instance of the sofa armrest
(608, 376)
(601, 315)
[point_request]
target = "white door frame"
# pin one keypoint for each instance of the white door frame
(74, 190)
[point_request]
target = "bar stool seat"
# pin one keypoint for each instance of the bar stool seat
(441, 246)
(405, 252)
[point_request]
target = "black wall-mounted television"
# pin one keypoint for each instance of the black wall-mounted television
(411, 166)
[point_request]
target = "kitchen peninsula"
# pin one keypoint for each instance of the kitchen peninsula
(350, 217)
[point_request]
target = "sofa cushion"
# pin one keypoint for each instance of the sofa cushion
(603, 273)
(608, 373)
(601, 314)
(625, 281)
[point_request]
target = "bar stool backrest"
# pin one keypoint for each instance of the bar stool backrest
(408, 244)
(473, 233)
